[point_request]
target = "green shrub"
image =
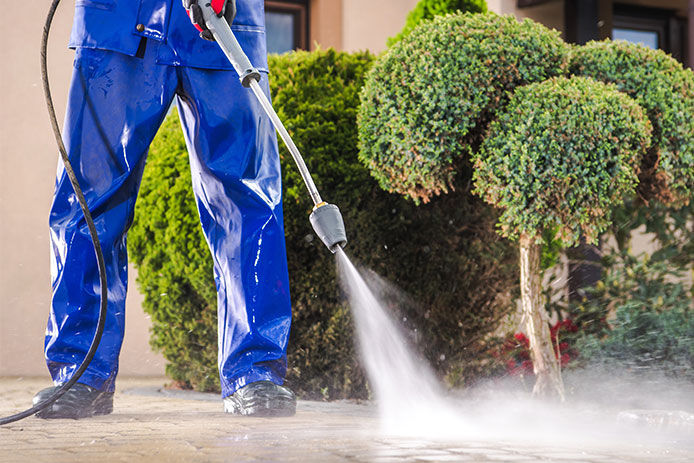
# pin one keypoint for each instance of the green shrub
(446, 254)
(665, 89)
(427, 101)
(174, 266)
(560, 156)
(649, 318)
(428, 9)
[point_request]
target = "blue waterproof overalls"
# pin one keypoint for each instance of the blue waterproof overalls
(133, 58)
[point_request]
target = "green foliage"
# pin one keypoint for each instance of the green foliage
(174, 267)
(446, 254)
(428, 9)
(653, 326)
(562, 154)
(427, 101)
(665, 89)
(551, 249)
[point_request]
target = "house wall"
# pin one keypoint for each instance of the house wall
(361, 31)
(366, 27)
(28, 162)
(325, 24)
(551, 13)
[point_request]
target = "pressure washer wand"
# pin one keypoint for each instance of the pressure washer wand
(325, 218)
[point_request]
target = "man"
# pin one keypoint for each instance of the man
(133, 58)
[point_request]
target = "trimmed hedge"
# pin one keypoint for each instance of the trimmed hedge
(665, 89)
(427, 101)
(428, 9)
(561, 156)
(446, 254)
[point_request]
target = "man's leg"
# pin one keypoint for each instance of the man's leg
(116, 103)
(237, 183)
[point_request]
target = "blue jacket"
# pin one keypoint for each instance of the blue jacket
(113, 25)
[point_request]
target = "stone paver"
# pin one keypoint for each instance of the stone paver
(155, 426)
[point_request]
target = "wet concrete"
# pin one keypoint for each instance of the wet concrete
(149, 424)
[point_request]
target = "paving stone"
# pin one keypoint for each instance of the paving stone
(156, 427)
(442, 458)
(483, 451)
(581, 456)
(385, 460)
(506, 457)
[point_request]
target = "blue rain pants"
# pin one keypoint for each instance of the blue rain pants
(116, 104)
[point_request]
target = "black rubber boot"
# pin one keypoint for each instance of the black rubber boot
(81, 401)
(263, 398)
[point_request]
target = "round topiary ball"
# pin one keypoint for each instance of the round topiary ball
(665, 89)
(427, 101)
(560, 156)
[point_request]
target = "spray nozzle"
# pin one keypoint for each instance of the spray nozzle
(328, 224)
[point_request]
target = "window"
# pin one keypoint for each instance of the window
(652, 27)
(647, 38)
(286, 25)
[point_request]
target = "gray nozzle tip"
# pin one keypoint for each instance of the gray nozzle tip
(328, 224)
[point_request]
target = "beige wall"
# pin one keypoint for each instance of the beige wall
(551, 14)
(28, 160)
(325, 24)
(367, 28)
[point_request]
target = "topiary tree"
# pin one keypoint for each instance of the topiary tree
(665, 89)
(559, 157)
(427, 101)
(428, 9)
(316, 94)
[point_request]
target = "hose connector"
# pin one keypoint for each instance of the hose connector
(328, 224)
(249, 74)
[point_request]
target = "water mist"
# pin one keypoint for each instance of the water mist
(412, 403)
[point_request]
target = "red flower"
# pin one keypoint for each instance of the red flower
(520, 337)
(517, 349)
(527, 366)
(569, 325)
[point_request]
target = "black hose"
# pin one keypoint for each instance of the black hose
(92, 232)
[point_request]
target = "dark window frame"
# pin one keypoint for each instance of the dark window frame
(299, 9)
(528, 3)
(671, 29)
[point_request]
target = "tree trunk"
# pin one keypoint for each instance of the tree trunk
(545, 364)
